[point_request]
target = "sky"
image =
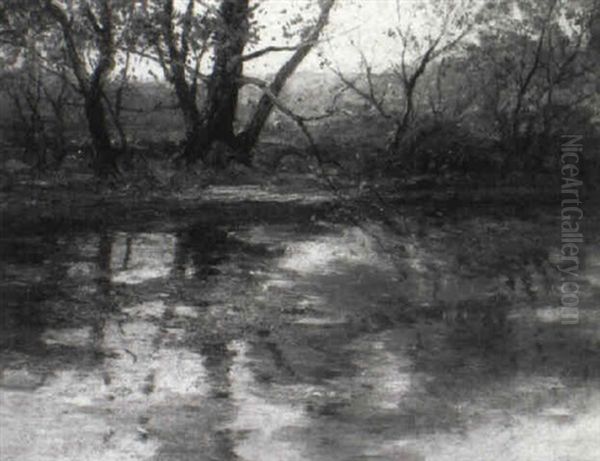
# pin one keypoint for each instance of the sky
(353, 25)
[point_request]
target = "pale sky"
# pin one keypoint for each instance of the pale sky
(353, 24)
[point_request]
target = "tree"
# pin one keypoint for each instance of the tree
(180, 54)
(90, 34)
(230, 38)
(38, 95)
(24, 88)
(534, 72)
(443, 26)
(184, 42)
(251, 133)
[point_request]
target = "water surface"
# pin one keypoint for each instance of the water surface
(281, 335)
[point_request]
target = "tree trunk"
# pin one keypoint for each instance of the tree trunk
(191, 118)
(91, 84)
(104, 161)
(219, 115)
(403, 125)
(249, 137)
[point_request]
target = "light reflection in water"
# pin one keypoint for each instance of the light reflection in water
(593, 267)
(321, 255)
(139, 369)
(140, 257)
(548, 436)
(389, 375)
(263, 421)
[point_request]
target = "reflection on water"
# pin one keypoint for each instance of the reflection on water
(547, 435)
(388, 374)
(293, 342)
(354, 246)
(141, 257)
(593, 269)
(260, 194)
(261, 420)
(73, 337)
